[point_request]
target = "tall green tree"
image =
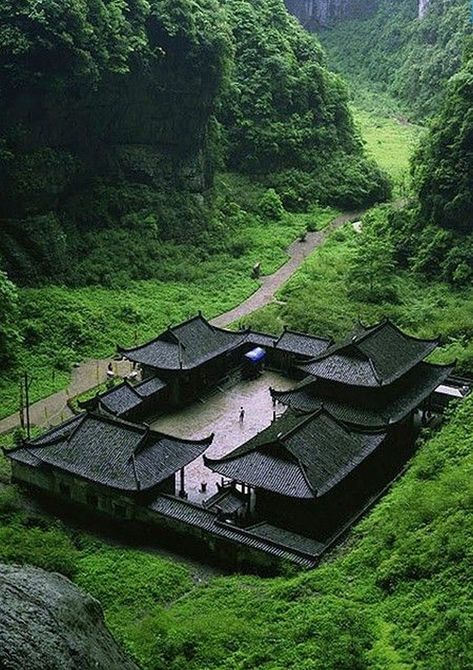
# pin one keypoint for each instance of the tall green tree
(443, 165)
(10, 338)
(371, 273)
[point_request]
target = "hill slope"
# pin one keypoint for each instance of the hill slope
(408, 57)
(112, 116)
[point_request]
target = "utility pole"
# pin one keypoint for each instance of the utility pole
(27, 404)
(22, 406)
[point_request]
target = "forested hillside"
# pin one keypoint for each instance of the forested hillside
(151, 153)
(112, 121)
(407, 56)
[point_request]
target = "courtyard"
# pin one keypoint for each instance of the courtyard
(219, 413)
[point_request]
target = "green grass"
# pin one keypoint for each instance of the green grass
(317, 300)
(63, 325)
(390, 140)
(396, 597)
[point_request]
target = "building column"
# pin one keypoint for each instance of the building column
(182, 488)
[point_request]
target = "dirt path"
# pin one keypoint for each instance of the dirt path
(54, 408)
(298, 252)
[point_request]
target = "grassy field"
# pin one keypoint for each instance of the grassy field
(64, 325)
(318, 299)
(390, 141)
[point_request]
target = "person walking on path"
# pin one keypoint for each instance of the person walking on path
(242, 415)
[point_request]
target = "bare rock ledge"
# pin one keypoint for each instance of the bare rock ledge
(48, 623)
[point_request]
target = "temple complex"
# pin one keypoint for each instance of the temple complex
(286, 485)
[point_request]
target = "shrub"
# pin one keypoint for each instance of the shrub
(270, 206)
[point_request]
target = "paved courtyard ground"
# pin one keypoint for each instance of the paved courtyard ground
(219, 414)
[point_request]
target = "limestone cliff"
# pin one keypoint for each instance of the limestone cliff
(315, 13)
(47, 622)
(105, 107)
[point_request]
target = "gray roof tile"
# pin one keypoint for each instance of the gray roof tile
(111, 452)
(387, 406)
(299, 455)
(302, 344)
(185, 346)
(376, 356)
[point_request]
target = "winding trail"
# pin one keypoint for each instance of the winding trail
(87, 375)
(270, 285)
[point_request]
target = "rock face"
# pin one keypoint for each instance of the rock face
(47, 623)
(107, 112)
(423, 8)
(315, 13)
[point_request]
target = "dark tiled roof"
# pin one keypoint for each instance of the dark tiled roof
(302, 344)
(125, 397)
(261, 339)
(307, 457)
(120, 399)
(185, 346)
(111, 452)
(376, 356)
(288, 538)
(389, 406)
(206, 520)
(150, 386)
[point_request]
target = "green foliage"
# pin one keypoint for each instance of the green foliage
(411, 59)
(96, 185)
(321, 297)
(130, 584)
(388, 138)
(371, 270)
(49, 548)
(270, 206)
(287, 117)
(99, 157)
(10, 338)
(443, 165)
(62, 326)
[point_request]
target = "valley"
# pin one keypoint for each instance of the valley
(265, 137)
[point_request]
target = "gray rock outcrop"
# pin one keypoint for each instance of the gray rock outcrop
(47, 623)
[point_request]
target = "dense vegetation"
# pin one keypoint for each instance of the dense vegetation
(443, 165)
(62, 325)
(287, 116)
(112, 128)
(157, 243)
(397, 597)
(393, 50)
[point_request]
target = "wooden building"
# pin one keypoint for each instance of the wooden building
(105, 463)
(132, 402)
(375, 379)
(194, 356)
(189, 358)
(307, 472)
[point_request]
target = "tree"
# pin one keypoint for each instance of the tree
(270, 205)
(443, 166)
(10, 338)
(372, 266)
